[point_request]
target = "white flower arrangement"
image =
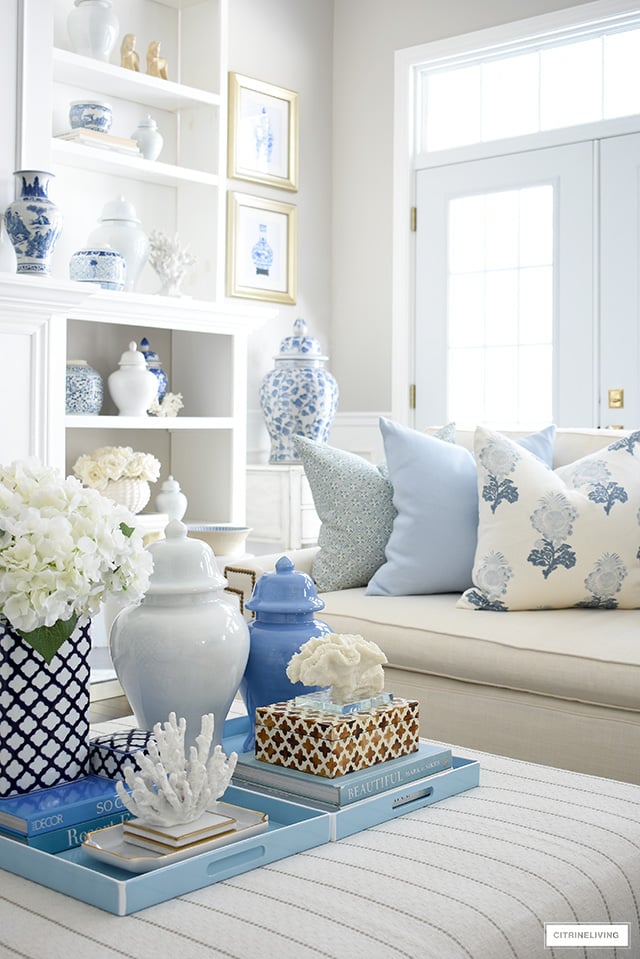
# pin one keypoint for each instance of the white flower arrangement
(63, 548)
(107, 463)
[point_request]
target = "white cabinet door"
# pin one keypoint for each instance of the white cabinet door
(620, 276)
(504, 291)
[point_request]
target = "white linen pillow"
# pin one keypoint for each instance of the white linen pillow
(556, 538)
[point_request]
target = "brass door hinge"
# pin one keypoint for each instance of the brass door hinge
(414, 219)
(412, 396)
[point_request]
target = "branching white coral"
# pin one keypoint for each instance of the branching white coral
(170, 405)
(169, 260)
(350, 664)
(170, 788)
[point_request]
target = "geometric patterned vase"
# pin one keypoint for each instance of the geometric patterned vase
(44, 712)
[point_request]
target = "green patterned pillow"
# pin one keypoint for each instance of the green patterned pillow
(354, 500)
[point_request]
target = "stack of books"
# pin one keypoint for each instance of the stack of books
(60, 817)
(297, 786)
(105, 141)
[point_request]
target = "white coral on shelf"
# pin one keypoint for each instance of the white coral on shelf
(169, 788)
(350, 664)
(170, 405)
(169, 260)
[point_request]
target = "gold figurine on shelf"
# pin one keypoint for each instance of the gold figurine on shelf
(129, 56)
(156, 65)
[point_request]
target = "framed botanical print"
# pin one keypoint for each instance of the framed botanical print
(261, 248)
(263, 133)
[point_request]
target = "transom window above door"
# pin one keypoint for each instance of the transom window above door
(556, 84)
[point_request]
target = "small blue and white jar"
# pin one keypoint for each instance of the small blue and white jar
(101, 265)
(154, 365)
(85, 389)
(90, 115)
(299, 397)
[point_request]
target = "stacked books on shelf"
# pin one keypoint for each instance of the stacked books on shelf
(60, 817)
(256, 774)
(105, 141)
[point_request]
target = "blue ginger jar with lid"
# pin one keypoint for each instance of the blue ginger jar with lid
(285, 603)
(154, 364)
(299, 397)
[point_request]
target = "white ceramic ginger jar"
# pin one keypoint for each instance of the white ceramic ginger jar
(133, 387)
(185, 647)
(148, 137)
(171, 500)
(120, 229)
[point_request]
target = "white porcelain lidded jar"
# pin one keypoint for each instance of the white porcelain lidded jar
(185, 647)
(133, 387)
(120, 229)
(171, 500)
(93, 28)
(148, 137)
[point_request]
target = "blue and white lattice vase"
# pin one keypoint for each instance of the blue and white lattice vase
(102, 266)
(44, 712)
(285, 603)
(84, 389)
(33, 222)
(299, 397)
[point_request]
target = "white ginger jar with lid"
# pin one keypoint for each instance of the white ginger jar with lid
(171, 500)
(184, 649)
(120, 229)
(133, 387)
(148, 137)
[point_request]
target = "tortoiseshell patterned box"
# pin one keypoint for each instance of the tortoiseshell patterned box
(334, 745)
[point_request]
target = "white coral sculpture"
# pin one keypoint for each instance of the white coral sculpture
(170, 406)
(350, 664)
(169, 260)
(169, 788)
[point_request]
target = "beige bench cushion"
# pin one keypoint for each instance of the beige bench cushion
(592, 656)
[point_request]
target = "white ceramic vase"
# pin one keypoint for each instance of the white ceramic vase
(93, 28)
(133, 387)
(171, 500)
(148, 137)
(185, 647)
(120, 229)
(132, 493)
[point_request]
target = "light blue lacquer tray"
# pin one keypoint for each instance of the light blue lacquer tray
(293, 827)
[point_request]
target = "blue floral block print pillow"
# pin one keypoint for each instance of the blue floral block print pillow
(549, 539)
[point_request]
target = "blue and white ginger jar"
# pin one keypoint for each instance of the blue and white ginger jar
(84, 389)
(299, 397)
(154, 365)
(100, 265)
(33, 222)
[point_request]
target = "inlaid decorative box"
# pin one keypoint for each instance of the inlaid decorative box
(333, 745)
(109, 754)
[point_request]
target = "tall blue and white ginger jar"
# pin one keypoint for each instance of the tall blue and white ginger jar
(299, 397)
(154, 364)
(33, 222)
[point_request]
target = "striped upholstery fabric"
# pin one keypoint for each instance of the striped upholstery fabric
(473, 877)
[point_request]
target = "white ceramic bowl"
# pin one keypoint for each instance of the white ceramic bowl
(225, 539)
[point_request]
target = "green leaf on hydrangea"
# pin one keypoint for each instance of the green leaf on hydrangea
(47, 640)
(126, 530)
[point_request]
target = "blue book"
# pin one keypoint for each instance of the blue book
(57, 840)
(43, 810)
(254, 773)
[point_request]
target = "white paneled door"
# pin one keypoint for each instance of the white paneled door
(505, 318)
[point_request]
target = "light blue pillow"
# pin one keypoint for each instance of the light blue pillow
(432, 544)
